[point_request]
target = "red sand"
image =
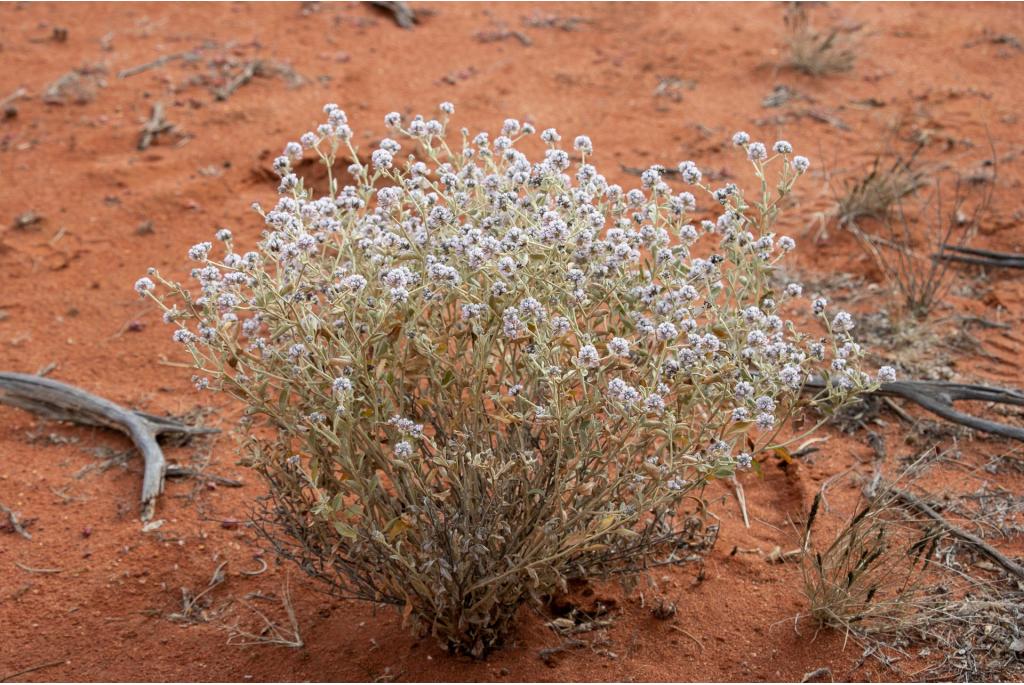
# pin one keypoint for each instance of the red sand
(67, 299)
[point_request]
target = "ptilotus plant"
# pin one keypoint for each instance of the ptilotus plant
(485, 375)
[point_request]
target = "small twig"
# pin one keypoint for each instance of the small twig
(158, 62)
(32, 669)
(502, 34)
(47, 369)
(915, 502)
(19, 93)
(817, 673)
(29, 569)
(548, 652)
(12, 516)
(822, 494)
(250, 70)
(190, 602)
(156, 125)
(826, 118)
(982, 322)
(741, 498)
(688, 634)
(271, 633)
(898, 410)
(55, 400)
(263, 568)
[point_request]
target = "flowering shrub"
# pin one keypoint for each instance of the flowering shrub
(487, 376)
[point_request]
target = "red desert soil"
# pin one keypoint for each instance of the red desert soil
(84, 213)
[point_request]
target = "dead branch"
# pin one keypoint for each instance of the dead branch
(988, 550)
(688, 634)
(973, 255)
(502, 34)
(156, 125)
(248, 72)
(17, 94)
(404, 15)
(938, 398)
(547, 655)
(158, 62)
(7, 107)
(55, 400)
(16, 525)
(826, 118)
(78, 85)
(258, 67)
(44, 571)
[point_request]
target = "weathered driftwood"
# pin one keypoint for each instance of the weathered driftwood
(938, 398)
(973, 255)
(55, 400)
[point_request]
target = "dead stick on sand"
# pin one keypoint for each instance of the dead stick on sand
(689, 635)
(19, 93)
(44, 571)
(158, 62)
(938, 398)
(55, 400)
(156, 125)
(32, 669)
(919, 505)
(12, 517)
(248, 72)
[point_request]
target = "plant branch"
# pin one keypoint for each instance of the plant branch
(919, 505)
(61, 402)
(938, 398)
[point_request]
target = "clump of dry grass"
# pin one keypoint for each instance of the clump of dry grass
(907, 245)
(270, 632)
(870, 578)
(890, 581)
(878, 192)
(813, 52)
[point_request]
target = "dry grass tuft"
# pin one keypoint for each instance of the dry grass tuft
(869, 579)
(908, 245)
(892, 581)
(812, 52)
(877, 193)
(270, 632)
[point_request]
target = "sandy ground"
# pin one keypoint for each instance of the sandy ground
(83, 212)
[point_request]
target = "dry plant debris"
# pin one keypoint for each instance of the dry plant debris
(55, 400)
